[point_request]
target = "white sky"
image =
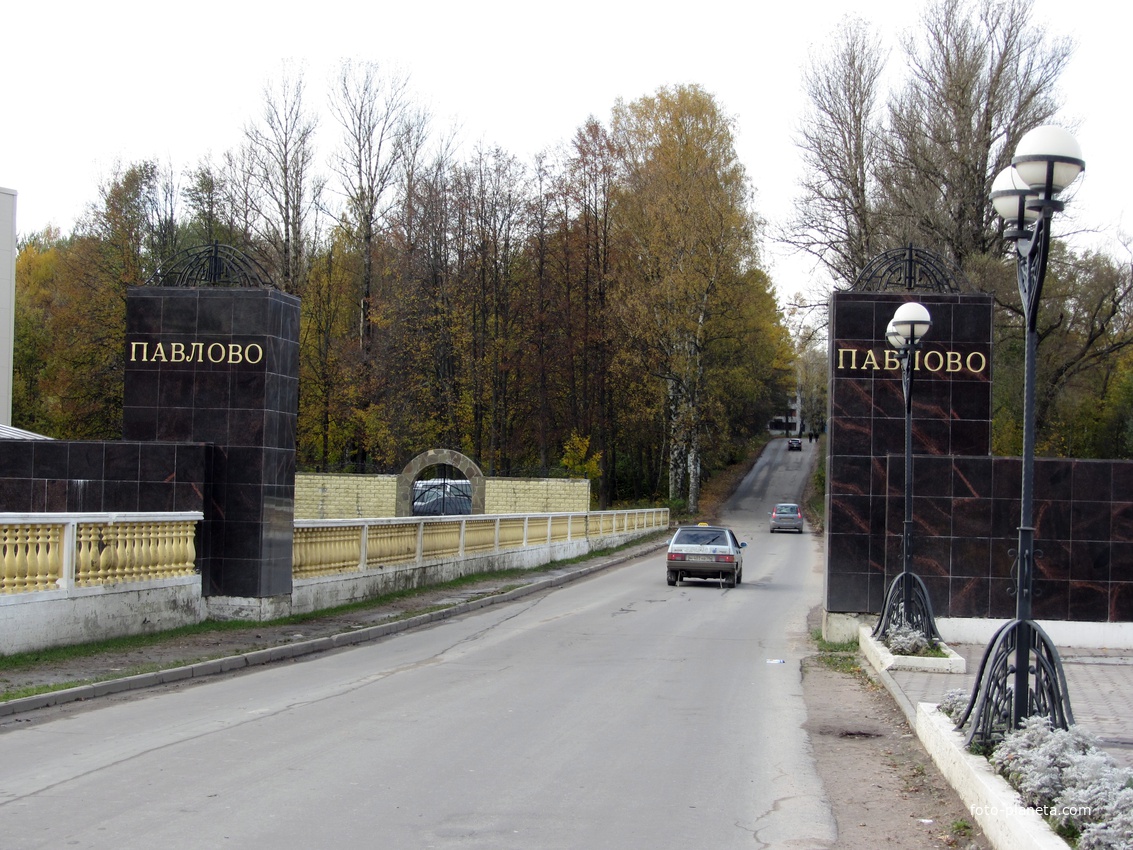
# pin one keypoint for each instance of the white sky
(88, 84)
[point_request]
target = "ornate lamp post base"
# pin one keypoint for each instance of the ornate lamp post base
(992, 707)
(907, 603)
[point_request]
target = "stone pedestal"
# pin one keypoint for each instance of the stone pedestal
(220, 366)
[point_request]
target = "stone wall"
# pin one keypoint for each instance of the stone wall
(331, 496)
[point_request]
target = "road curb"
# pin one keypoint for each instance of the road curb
(991, 801)
(284, 652)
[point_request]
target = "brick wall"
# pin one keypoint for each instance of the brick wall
(325, 496)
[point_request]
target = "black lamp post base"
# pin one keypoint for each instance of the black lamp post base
(992, 708)
(907, 603)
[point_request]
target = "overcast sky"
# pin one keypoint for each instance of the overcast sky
(89, 84)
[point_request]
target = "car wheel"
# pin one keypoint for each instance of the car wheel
(671, 578)
(739, 576)
(730, 581)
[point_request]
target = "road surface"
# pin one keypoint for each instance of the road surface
(615, 712)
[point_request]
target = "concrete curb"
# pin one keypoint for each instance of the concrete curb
(284, 652)
(882, 659)
(994, 804)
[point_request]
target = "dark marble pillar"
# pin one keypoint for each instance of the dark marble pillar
(220, 366)
(866, 437)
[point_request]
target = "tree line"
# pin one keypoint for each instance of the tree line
(601, 309)
(898, 157)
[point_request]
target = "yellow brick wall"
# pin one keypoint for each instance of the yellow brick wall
(536, 495)
(329, 496)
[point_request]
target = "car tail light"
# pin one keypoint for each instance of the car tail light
(676, 556)
(725, 559)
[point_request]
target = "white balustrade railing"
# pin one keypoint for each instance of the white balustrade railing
(50, 552)
(334, 547)
(59, 552)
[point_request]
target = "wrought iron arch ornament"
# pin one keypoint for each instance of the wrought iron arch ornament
(211, 265)
(908, 269)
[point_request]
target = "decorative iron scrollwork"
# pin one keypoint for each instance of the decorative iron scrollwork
(991, 708)
(907, 603)
(908, 269)
(211, 265)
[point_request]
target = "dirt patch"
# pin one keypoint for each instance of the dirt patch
(883, 787)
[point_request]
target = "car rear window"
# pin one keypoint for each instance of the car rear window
(786, 509)
(702, 537)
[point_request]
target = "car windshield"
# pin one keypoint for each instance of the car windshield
(700, 537)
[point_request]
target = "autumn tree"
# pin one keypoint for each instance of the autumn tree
(682, 207)
(280, 158)
(373, 113)
(981, 74)
(836, 216)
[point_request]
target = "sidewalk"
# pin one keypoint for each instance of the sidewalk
(1099, 682)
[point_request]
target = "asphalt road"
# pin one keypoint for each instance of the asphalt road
(615, 712)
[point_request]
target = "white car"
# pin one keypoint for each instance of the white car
(705, 551)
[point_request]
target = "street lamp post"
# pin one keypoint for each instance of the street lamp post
(1047, 160)
(907, 602)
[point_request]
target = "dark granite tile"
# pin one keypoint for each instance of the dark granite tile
(16, 495)
(247, 427)
(971, 518)
(211, 426)
(970, 437)
(1005, 518)
(1121, 521)
(1001, 594)
(931, 556)
(176, 388)
(1052, 560)
(970, 401)
(1121, 473)
(968, 597)
(1007, 475)
(1092, 480)
(970, 556)
(122, 461)
(157, 462)
(139, 423)
(1121, 602)
(1053, 478)
(156, 496)
(1052, 520)
(175, 424)
(120, 496)
(16, 458)
(49, 458)
(1091, 521)
(86, 460)
(141, 388)
(214, 314)
(851, 476)
(1089, 561)
(848, 553)
(1051, 600)
(212, 390)
(849, 592)
(1121, 562)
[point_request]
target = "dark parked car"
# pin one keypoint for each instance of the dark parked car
(705, 551)
(794, 444)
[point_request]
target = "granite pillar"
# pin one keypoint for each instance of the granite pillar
(220, 366)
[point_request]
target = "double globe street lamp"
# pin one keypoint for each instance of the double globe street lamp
(907, 603)
(1047, 160)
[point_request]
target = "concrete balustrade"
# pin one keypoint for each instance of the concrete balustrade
(73, 578)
